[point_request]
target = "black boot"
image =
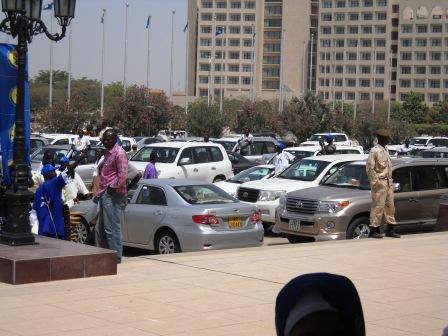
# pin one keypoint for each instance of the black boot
(375, 232)
(391, 232)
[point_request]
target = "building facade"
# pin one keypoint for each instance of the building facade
(372, 50)
(262, 47)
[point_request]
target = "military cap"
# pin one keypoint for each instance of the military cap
(383, 132)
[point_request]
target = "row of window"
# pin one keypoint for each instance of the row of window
(423, 42)
(233, 4)
(207, 42)
(353, 3)
(422, 83)
(351, 82)
(353, 30)
(230, 67)
(229, 30)
(352, 95)
(366, 16)
(230, 80)
(423, 28)
(353, 56)
(223, 17)
(423, 70)
(423, 56)
(233, 91)
(352, 43)
(431, 97)
(234, 55)
(352, 69)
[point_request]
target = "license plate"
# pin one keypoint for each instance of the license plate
(294, 224)
(235, 222)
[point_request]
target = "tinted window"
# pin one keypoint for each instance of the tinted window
(164, 154)
(62, 142)
(201, 154)
(126, 144)
(36, 143)
(304, 170)
(151, 196)
(258, 148)
(57, 153)
(271, 148)
(215, 154)
(228, 145)
(402, 176)
(340, 138)
(350, 176)
(187, 153)
(428, 178)
(204, 194)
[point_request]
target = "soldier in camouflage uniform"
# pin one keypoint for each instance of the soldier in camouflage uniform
(380, 177)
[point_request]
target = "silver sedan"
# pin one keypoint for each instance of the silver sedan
(170, 216)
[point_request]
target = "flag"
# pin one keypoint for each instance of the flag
(219, 31)
(148, 22)
(48, 6)
(102, 16)
(185, 28)
(8, 100)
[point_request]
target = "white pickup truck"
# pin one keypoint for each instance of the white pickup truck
(340, 139)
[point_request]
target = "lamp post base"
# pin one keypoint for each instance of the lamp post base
(17, 230)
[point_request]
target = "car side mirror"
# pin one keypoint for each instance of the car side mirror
(397, 187)
(184, 161)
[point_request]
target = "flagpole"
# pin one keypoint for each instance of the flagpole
(303, 68)
(50, 93)
(103, 44)
(222, 80)
(173, 13)
(69, 82)
(373, 84)
(148, 61)
(311, 62)
(334, 75)
(357, 71)
(187, 50)
(282, 60)
(212, 85)
(390, 86)
(125, 50)
(325, 74)
(343, 81)
(253, 89)
(209, 79)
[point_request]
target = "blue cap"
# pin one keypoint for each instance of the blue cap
(47, 168)
(64, 160)
(280, 145)
(329, 136)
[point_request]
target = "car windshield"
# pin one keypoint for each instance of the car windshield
(352, 176)
(204, 194)
(228, 145)
(300, 154)
(304, 170)
(164, 154)
(251, 174)
(58, 153)
(419, 141)
(337, 137)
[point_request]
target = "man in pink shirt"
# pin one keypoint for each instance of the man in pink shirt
(112, 194)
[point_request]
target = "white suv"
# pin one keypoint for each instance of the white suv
(200, 161)
(340, 139)
(306, 173)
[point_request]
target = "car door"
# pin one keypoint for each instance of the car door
(144, 215)
(217, 165)
(189, 170)
(202, 164)
(86, 167)
(406, 199)
(431, 183)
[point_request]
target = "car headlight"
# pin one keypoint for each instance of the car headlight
(282, 202)
(270, 195)
(332, 207)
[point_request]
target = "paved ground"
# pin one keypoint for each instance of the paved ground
(402, 283)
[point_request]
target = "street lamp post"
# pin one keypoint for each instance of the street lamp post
(23, 21)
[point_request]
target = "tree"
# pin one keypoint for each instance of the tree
(414, 110)
(204, 119)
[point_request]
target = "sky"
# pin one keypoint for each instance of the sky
(87, 38)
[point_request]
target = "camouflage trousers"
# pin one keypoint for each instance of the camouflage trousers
(382, 203)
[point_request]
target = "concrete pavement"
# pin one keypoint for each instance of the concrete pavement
(403, 285)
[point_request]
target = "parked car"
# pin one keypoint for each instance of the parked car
(60, 139)
(438, 142)
(200, 161)
(239, 162)
(303, 174)
(170, 216)
(261, 145)
(256, 173)
(302, 152)
(340, 207)
(340, 139)
(437, 152)
(58, 152)
(37, 142)
(147, 141)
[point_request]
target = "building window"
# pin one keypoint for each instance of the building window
(364, 96)
(352, 43)
(233, 68)
(366, 43)
(435, 70)
(436, 42)
(273, 23)
(247, 68)
(368, 3)
(436, 56)
(419, 83)
(351, 82)
(247, 55)
(381, 3)
(405, 83)
(205, 54)
(351, 69)
(420, 70)
(327, 4)
(247, 43)
(271, 72)
(420, 56)
(434, 84)
(365, 69)
(339, 17)
(204, 67)
(350, 96)
(234, 30)
(235, 17)
(233, 80)
(203, 79)
(434, 97)
(381, 16)
(353, 16)
(339, 56)
(234, 42)
(406, 43)
(271, 59)
(221, 17)
(364, 83)
(436, 28)
(249, 4)
(380, 43)
(380, 69)
(380, 29)
(367, 16)
(246, 81)
(406, 29)
(420, 42)
(422, 29)
(271, 84)
(352, 56)
(247, 30)
(234, 55)
(206, 42)
(353, 30)
(339, 43)
(272, 35)
(235, 4)
(367, 30)
(365, 56)
(338, 82)
(249, 17)
(405, 70)
(272, 47)
(406, 56)
(206, 29)
(380, 56)
(379, 83)
(340, 4)
(339, 30)
(354, 3)
(221, 4)
(207, 4)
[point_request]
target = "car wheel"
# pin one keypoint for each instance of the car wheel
(83, 232)
(297, 239)
(359, 229)
(167, 243)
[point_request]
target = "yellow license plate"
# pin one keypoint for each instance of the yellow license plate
(235, 222)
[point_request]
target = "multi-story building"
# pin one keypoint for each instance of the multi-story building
(423, 49)
(260, 46)
(372, 50)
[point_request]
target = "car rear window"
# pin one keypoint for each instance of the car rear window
(304, 170)
(204, 194)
